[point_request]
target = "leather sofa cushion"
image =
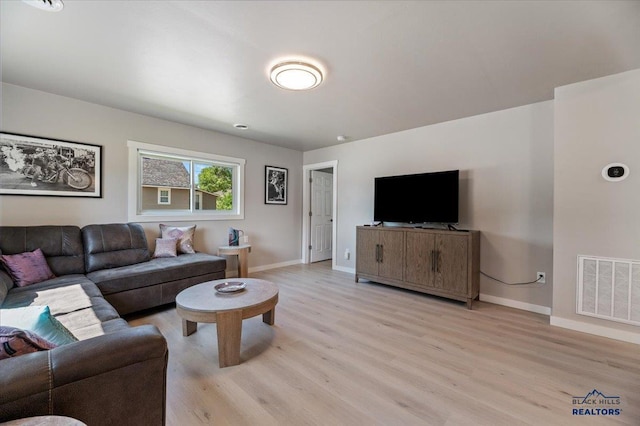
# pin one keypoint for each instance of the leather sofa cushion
(99, 312)
(62, 294)
(114, 245)
(61, 245)
(88, 331)
(156, 271)
(73, 300)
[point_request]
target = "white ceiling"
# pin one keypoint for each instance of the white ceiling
(390, 65)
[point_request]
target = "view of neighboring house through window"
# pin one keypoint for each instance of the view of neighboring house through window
(171, 179)
(175, 182)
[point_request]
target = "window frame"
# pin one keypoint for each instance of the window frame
(162, 189)
(135, 212)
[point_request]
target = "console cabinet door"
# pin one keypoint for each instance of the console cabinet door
(391, 259)
(452, 263)
(420, 258)
(367, 242)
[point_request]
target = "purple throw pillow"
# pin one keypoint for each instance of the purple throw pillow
(166, 247)
(15, 342)
(27, 268)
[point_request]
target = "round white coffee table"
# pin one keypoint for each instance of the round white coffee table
(202, 303)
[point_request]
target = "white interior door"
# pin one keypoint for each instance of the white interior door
(321, 215)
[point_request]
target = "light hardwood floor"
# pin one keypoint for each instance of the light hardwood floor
(342, 353)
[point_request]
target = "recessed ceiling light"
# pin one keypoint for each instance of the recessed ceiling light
(48, 5)
(241, 126)
(296, 75)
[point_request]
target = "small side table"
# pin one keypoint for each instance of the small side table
(242, 251)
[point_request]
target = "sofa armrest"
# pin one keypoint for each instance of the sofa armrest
(117, 378)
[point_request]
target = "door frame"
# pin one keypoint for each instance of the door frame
(306, 205)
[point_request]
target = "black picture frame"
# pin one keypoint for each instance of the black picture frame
(275, 185)
(31, 165)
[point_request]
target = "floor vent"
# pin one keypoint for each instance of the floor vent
(609, 289)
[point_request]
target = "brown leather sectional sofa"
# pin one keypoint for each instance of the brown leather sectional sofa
(114, 373)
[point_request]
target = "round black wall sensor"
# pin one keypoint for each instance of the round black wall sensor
(615, 172)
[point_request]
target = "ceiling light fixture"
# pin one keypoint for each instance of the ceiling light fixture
(296, 75)
(48, 5)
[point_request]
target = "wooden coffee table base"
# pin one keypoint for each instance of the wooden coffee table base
(227, 313)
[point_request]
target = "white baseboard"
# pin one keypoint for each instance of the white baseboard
(232, 272)
(296, 262)
(598, 330)
(345, 269)
(538, 309)
(275, 265)
(544, 310)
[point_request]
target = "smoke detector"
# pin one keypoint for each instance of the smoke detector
(48, 5)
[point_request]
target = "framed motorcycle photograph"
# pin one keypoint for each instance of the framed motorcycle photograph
(32, 165)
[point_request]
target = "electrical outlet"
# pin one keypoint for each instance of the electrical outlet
(347, 254)
(542, 277)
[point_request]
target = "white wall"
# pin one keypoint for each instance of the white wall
(597, 122)
(506, 163)
(274, 230)
(507, 167)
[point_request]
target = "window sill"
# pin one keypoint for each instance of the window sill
(187, 217)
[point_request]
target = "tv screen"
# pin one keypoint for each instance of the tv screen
(417, 198)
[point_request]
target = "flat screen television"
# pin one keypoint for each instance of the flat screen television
(417, 198)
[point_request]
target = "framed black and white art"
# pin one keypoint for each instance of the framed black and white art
(275, 191)
(37, 166)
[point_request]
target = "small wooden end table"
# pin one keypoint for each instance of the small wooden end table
(242, 251)
(202, 303)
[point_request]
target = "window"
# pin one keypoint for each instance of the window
(164, 195)
(175, 184)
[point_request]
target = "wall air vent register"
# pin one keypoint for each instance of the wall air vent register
(609, 289)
